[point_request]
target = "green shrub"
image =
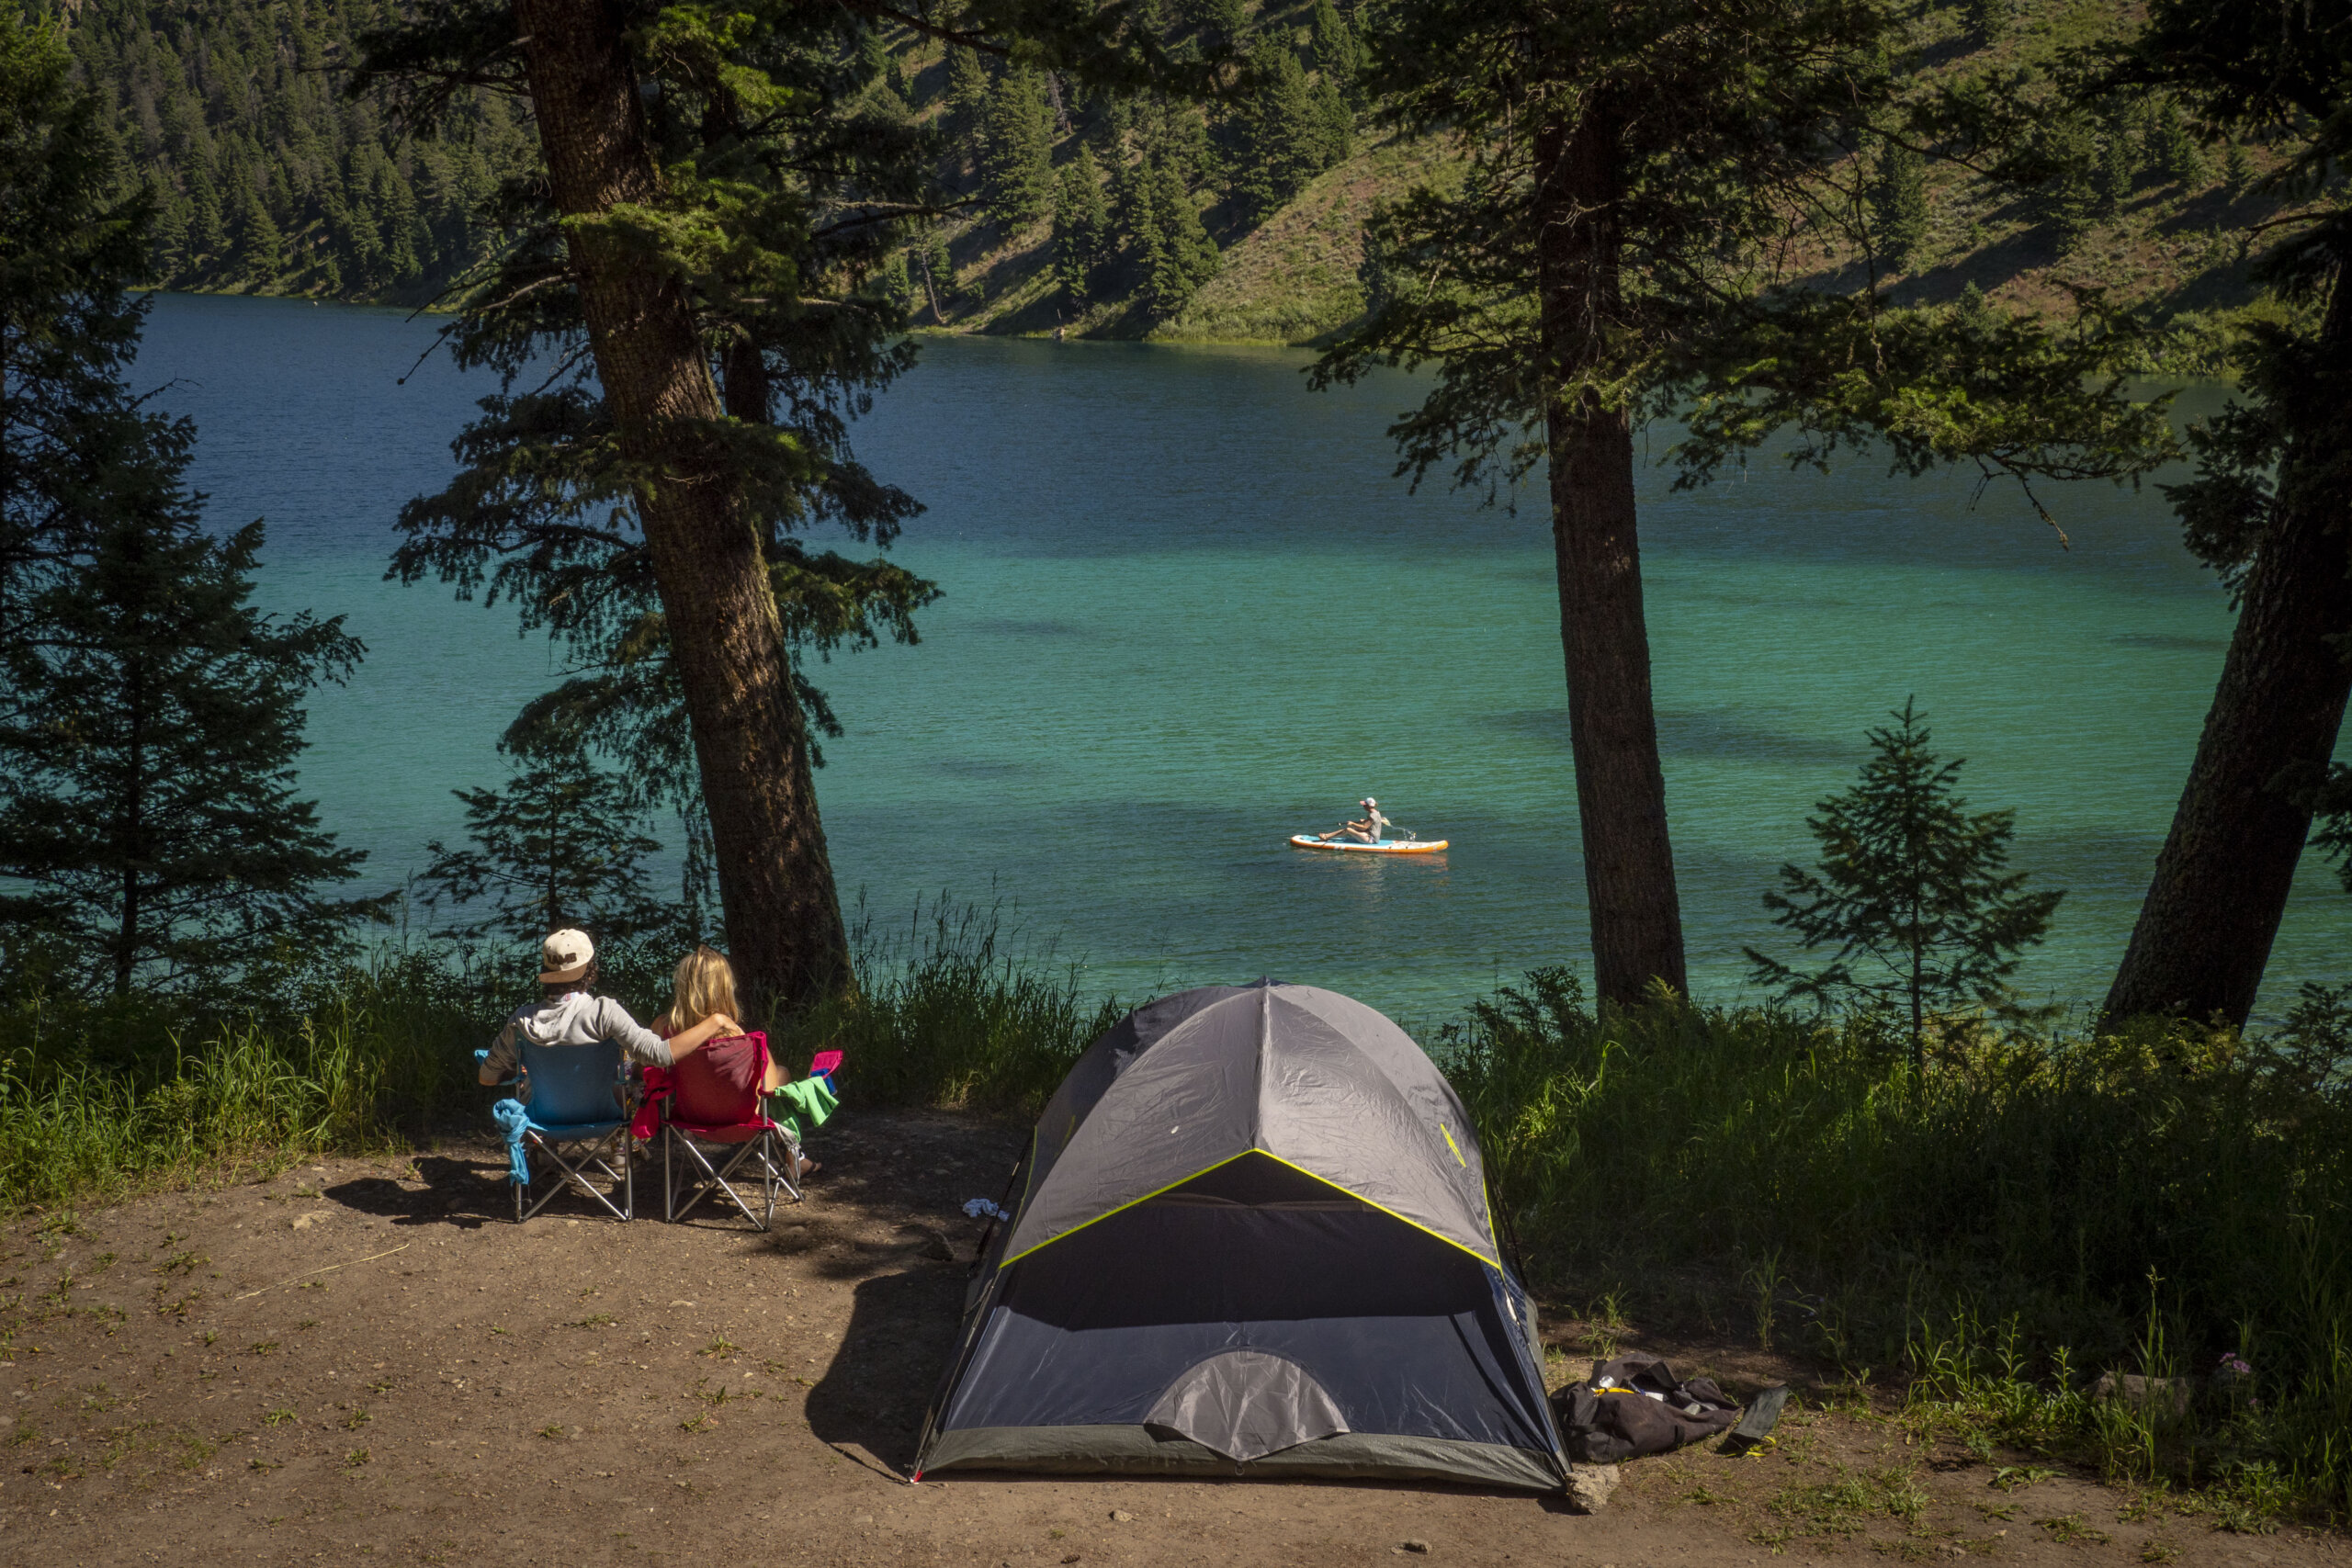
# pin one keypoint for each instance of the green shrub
(2034, 1182)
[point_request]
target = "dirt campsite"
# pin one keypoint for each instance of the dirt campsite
(369, 1361)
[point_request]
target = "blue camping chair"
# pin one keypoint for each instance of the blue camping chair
(575, 1127)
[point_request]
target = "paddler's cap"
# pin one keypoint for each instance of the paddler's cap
(567, 956)
(1369, 801)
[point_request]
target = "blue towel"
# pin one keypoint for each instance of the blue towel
(515, 1117)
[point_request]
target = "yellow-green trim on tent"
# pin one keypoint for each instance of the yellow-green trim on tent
(1494, 1262)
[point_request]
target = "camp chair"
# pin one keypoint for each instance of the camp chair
(576, 1126)
(699, 1107)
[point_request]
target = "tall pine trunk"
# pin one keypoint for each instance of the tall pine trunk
(784, 924)
(2221, 881)
(1613, 727)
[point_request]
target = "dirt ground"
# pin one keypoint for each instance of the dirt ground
(370, 1361)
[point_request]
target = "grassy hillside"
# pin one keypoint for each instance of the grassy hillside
(2143, 209)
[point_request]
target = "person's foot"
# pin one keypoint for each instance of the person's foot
(808, 1167)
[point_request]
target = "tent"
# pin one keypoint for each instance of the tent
(1251, 1238)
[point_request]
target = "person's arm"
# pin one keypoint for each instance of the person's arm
(718, 1026)
(500, 1065)
(643, 1045)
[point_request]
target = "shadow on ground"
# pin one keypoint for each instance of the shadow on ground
(901, 1328)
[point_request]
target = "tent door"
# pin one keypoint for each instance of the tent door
(1246, 1404)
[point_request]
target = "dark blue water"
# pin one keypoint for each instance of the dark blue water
(1189, 613)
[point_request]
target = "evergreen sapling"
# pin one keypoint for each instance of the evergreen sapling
(1017, 152)
(1899, 205)
(1912, 893)
(147, 785)
(561, 844)
(1081, 227)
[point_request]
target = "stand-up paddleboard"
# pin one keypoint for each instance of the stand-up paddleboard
(1391, 847)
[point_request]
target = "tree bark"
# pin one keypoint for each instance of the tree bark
(1613, 725)
(2204, 933)
(784, 924)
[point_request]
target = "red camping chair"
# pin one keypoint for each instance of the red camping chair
(712, 1124)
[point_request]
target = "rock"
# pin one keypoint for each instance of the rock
(1122, 1517)
(1589, 1486)
(1420, 1546)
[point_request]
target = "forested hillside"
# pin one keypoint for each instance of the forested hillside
(1138, 217)
(268, 177)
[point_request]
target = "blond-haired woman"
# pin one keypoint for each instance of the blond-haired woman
(703, 987)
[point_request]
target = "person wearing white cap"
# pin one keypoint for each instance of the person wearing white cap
(569, 1013)
(1367, 830)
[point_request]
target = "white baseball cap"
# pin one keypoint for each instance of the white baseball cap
(1369, 801)
(567, 956)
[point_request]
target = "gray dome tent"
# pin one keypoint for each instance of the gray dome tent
(1251, 1238)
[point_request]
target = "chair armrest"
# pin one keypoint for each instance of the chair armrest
(481, 1056)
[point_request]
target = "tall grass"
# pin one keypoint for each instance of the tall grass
(2145, 1201)
(98, 1100)
(953, 1009)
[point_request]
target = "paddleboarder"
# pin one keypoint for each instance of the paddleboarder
(1366, 830)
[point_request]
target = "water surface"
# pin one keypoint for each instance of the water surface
(1189, 611)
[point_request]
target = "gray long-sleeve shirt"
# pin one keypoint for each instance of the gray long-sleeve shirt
(574, 1019)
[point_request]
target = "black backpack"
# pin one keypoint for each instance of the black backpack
(1632, 1405)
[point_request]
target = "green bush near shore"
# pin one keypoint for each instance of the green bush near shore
(952, 1011)
(2030, 1209)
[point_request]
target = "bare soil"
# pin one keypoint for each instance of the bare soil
(370, 1361)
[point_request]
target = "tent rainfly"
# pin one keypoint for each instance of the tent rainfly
(1251, 1238)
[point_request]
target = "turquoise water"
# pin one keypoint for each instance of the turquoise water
(1188, 613)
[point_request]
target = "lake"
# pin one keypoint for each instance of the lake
(1188, 612)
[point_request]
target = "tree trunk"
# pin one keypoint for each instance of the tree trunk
(2221, 881)
(1613, 727)
(784, 924)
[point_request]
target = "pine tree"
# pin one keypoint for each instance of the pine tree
(2172, 147)
(147, 789)
(1988, 20)
(1899, 205)
(72, 243)
(1217, 26)
(1178, 254)
(2068, 197)
(560, 844)
(1280, 139)
(261, 249)
(2119, 170)
(1339, 53)
(2269, 509)
(1911, 891)
(1017, 161)
(1081, 227)
(2237, 168)
(967, 97)
(941, 288)
(1335, 123)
